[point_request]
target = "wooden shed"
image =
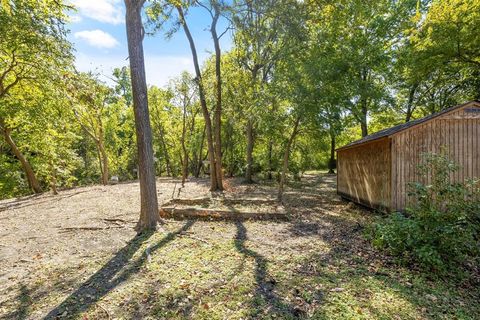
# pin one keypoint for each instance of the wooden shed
(375, 170)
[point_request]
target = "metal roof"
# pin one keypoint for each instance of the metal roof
(392, 130)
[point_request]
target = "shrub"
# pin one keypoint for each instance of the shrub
(440, 230)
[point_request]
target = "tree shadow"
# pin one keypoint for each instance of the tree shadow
(36, 199)
(113, 273)
(24, 302)
(265, 284)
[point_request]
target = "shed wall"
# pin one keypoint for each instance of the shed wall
(364, 173)
(458, 131)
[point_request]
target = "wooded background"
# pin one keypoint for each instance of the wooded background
(302, 78)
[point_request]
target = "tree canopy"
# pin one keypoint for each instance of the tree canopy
(300, 79)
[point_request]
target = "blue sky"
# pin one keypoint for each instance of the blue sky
(99, 36)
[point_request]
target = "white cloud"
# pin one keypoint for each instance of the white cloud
(107, 11)
(97, 38)
(159, 69)
(75, 19)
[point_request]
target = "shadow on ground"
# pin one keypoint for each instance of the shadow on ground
(113, 273)
(265, 284)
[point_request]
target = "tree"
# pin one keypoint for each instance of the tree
(449, 33)
(31, 176)
(160, 104)
(185, 98)
(435, 60)
(201, 91)
(259, 45)
(149, 215)
(33, 49)
(360, 38)
(215, 10)
(286, 155)
(89, 105)
(123, 86)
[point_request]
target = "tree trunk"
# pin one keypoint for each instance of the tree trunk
(165, 151)
(27, 168)
(270, 151)
(200, 156)
(203, 101)
(103, 161)
(411, 96)
(365, 75)
(184, 148)
(98, 139)
(363, 119)
(149, 215)
(230, 149)
(100, 162)
(218, 106)
(286, 155)
(270, 144)
(249, 172)
(53, 178)
(332, 163)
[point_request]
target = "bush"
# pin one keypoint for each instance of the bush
(441, 229)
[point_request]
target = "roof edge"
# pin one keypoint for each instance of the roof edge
(419, 121)
(348, 146)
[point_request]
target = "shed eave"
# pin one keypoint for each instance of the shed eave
(414, 125)
(362, 144)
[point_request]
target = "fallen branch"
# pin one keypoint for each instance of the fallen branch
(114, 220)
(66, 229)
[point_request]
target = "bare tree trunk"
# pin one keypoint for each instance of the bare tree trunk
(248, 174)
(184, 148)
(103, 161)
(363, 119)
(411, 96)
(200, 156)
(203, 102)
(270, 151)
(365, 75)
(100, 162)
(53, 179)
(230, 149)
(331, 162)
(27, 168)
(270, 144)
(218, 106)
(286, 156)
(165, 151)
(149, 215)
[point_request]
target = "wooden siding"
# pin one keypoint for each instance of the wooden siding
(458, 131)
(364, 173)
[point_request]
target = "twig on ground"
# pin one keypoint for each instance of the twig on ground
(114, 220)
(106, 311)
(67, 229)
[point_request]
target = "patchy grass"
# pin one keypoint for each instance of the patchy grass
(317, 266)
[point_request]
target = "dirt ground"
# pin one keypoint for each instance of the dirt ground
(76, 255)
(54, 228)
